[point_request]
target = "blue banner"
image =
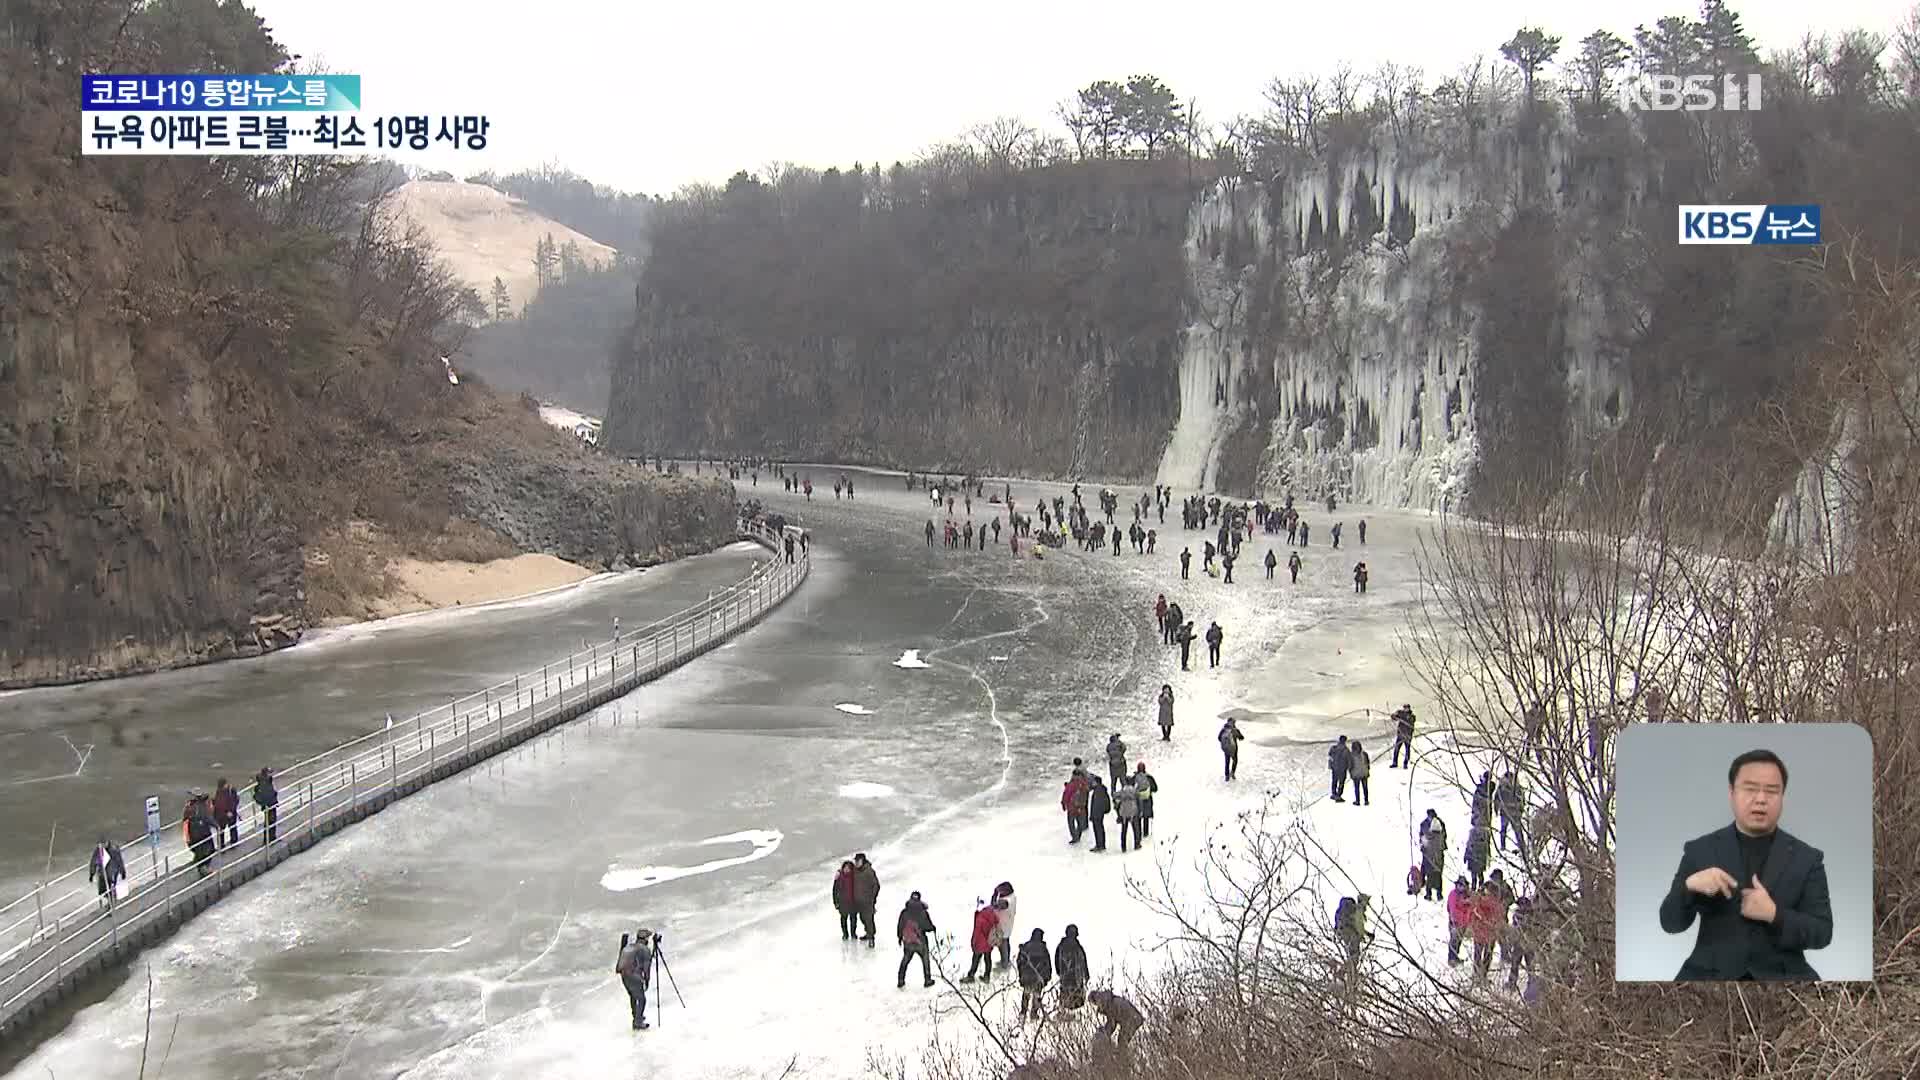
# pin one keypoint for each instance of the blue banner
(219, 93)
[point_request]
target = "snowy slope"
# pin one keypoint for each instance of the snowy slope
(484, 234)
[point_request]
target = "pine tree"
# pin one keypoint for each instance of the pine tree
(502, 303)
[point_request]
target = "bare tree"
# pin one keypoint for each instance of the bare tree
(1398, 93)
(1344, 88)
(1297, 111)
(1003, 141)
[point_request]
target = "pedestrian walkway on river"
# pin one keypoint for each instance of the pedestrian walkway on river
(62, 933)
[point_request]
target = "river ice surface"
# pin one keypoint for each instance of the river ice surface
(470, 930)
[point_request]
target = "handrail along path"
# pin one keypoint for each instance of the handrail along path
(62, 933)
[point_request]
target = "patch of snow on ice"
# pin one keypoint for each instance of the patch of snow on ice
(910, 659)
(856, 710)
(865, 790)
(765, 842)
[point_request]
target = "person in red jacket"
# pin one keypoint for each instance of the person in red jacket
(985, 923)
(1489, 920)
(1160, 615)
(1459, 914)
(843, 901)
(1073, 800)
(226, 813)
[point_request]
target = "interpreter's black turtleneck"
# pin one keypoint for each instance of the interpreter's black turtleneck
(1754, 851)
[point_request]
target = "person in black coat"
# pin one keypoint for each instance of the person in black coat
(1035, 967)
(1070, 964)
(1099, 805)
(866, 894)
(267, 797)
(1760, 893)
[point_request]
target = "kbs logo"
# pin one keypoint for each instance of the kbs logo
(1785, 224)
(1691, 93)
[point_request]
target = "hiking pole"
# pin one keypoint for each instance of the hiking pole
(659, 1011)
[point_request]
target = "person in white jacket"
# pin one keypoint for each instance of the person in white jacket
(1003, 892)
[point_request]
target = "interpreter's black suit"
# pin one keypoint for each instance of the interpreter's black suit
(1732, 946)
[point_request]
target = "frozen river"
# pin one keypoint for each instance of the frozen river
(470, 930)
(79, 760)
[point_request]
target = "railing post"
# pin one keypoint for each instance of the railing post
(353, 784)
(309, 809)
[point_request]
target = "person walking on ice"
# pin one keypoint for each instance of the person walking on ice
(1339, 760)
(985, 923)
(1230, 739)
(1293, 566)
(1116, 759)
(1099, 805)
(1035, 971)
(1166, 712)
(1272, 561)
(1070, 966)
(914, 929)
(1402, 736)
(1359, 767)
(1126, 809)
(634, 965)
(1145, 786)
(1215, 636)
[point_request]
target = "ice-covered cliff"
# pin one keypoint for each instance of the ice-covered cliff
(1336, 336)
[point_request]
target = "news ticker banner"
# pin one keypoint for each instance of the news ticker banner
(211, 115)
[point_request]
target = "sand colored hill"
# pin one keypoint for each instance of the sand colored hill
(484, 234)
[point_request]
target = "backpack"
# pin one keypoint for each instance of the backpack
(910, 934)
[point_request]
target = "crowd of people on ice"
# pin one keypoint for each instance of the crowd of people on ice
(1036, 966)
(1483, 907)
(1066, 518)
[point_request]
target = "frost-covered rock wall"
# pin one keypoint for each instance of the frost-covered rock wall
(1368, 355)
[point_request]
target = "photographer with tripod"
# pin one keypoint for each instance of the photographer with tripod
(639, 955)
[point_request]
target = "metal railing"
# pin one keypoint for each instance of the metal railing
(64, 925)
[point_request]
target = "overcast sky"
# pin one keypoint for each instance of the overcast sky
(647, 96)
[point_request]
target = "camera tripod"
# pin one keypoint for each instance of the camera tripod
(660, 962)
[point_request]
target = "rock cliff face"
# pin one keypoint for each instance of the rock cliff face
(182, 416)
(1376, 322)
(135, 532)
(1417, 314)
